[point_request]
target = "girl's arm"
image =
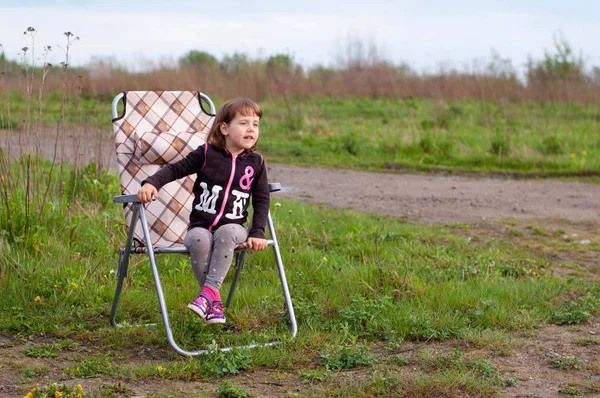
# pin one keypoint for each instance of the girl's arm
(192, 163)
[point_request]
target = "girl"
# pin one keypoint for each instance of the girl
(228, 172)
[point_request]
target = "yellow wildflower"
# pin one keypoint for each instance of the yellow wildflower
(116, 225)
(584, 153)
(572, 155)
(37, 298)
(29, 395)
(79, 387)
(159, 368)
(74, 285)
(57, 394)
(78, 396)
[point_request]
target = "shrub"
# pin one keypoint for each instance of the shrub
(551, 146)
(229, 390)
(500, 145)
(347, 358)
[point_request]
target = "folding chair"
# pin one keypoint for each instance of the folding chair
(156, 128)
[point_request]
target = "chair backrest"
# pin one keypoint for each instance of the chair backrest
(156, 128)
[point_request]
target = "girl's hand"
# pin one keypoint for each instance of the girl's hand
(146, 192)
(257, 244)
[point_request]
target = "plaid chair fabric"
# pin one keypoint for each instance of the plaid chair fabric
(159, 127)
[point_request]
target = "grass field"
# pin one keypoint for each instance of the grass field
(389, 134)
(373, 297)
(385, 307)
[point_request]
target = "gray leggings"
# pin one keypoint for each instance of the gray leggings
(212, 253)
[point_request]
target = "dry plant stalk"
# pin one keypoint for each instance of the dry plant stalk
(28, 175)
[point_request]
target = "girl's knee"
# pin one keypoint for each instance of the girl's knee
(235, 232)
(198, 237)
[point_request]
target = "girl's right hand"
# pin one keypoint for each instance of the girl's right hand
(147, 192)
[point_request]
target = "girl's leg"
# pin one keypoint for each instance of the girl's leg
(199, 242)
(226, 238)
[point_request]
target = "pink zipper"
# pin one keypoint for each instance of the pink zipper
(218, 217)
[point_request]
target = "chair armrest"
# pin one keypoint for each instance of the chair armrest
(273, 187)
(126, 199)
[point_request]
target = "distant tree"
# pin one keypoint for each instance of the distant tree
(280, 63)
(233, 64)
(321, 74)
(560, 65)
(195, 58)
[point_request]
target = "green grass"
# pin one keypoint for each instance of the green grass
(358, 281)
(95, 111)
(229, 390)
(421, 134)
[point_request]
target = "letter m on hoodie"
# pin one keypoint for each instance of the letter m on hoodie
(208, 200)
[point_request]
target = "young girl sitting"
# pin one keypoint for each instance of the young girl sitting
(228, 172)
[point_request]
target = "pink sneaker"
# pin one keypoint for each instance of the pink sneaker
(216, 313)
(201, 305)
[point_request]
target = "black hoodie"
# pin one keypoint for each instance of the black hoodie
(224, 183)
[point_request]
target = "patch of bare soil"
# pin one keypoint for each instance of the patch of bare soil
(557, 361)
(569, 248)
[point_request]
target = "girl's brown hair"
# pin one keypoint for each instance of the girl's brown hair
(226, 114)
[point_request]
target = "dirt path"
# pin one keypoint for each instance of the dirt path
(439, 198)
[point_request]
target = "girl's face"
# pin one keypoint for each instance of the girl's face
(241, 133)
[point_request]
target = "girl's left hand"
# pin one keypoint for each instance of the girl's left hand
(257, 244)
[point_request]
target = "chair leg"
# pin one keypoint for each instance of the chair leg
(282, 278)
(240, 259)
(123, 265)
(121, 274)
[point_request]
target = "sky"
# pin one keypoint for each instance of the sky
(423, 34)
